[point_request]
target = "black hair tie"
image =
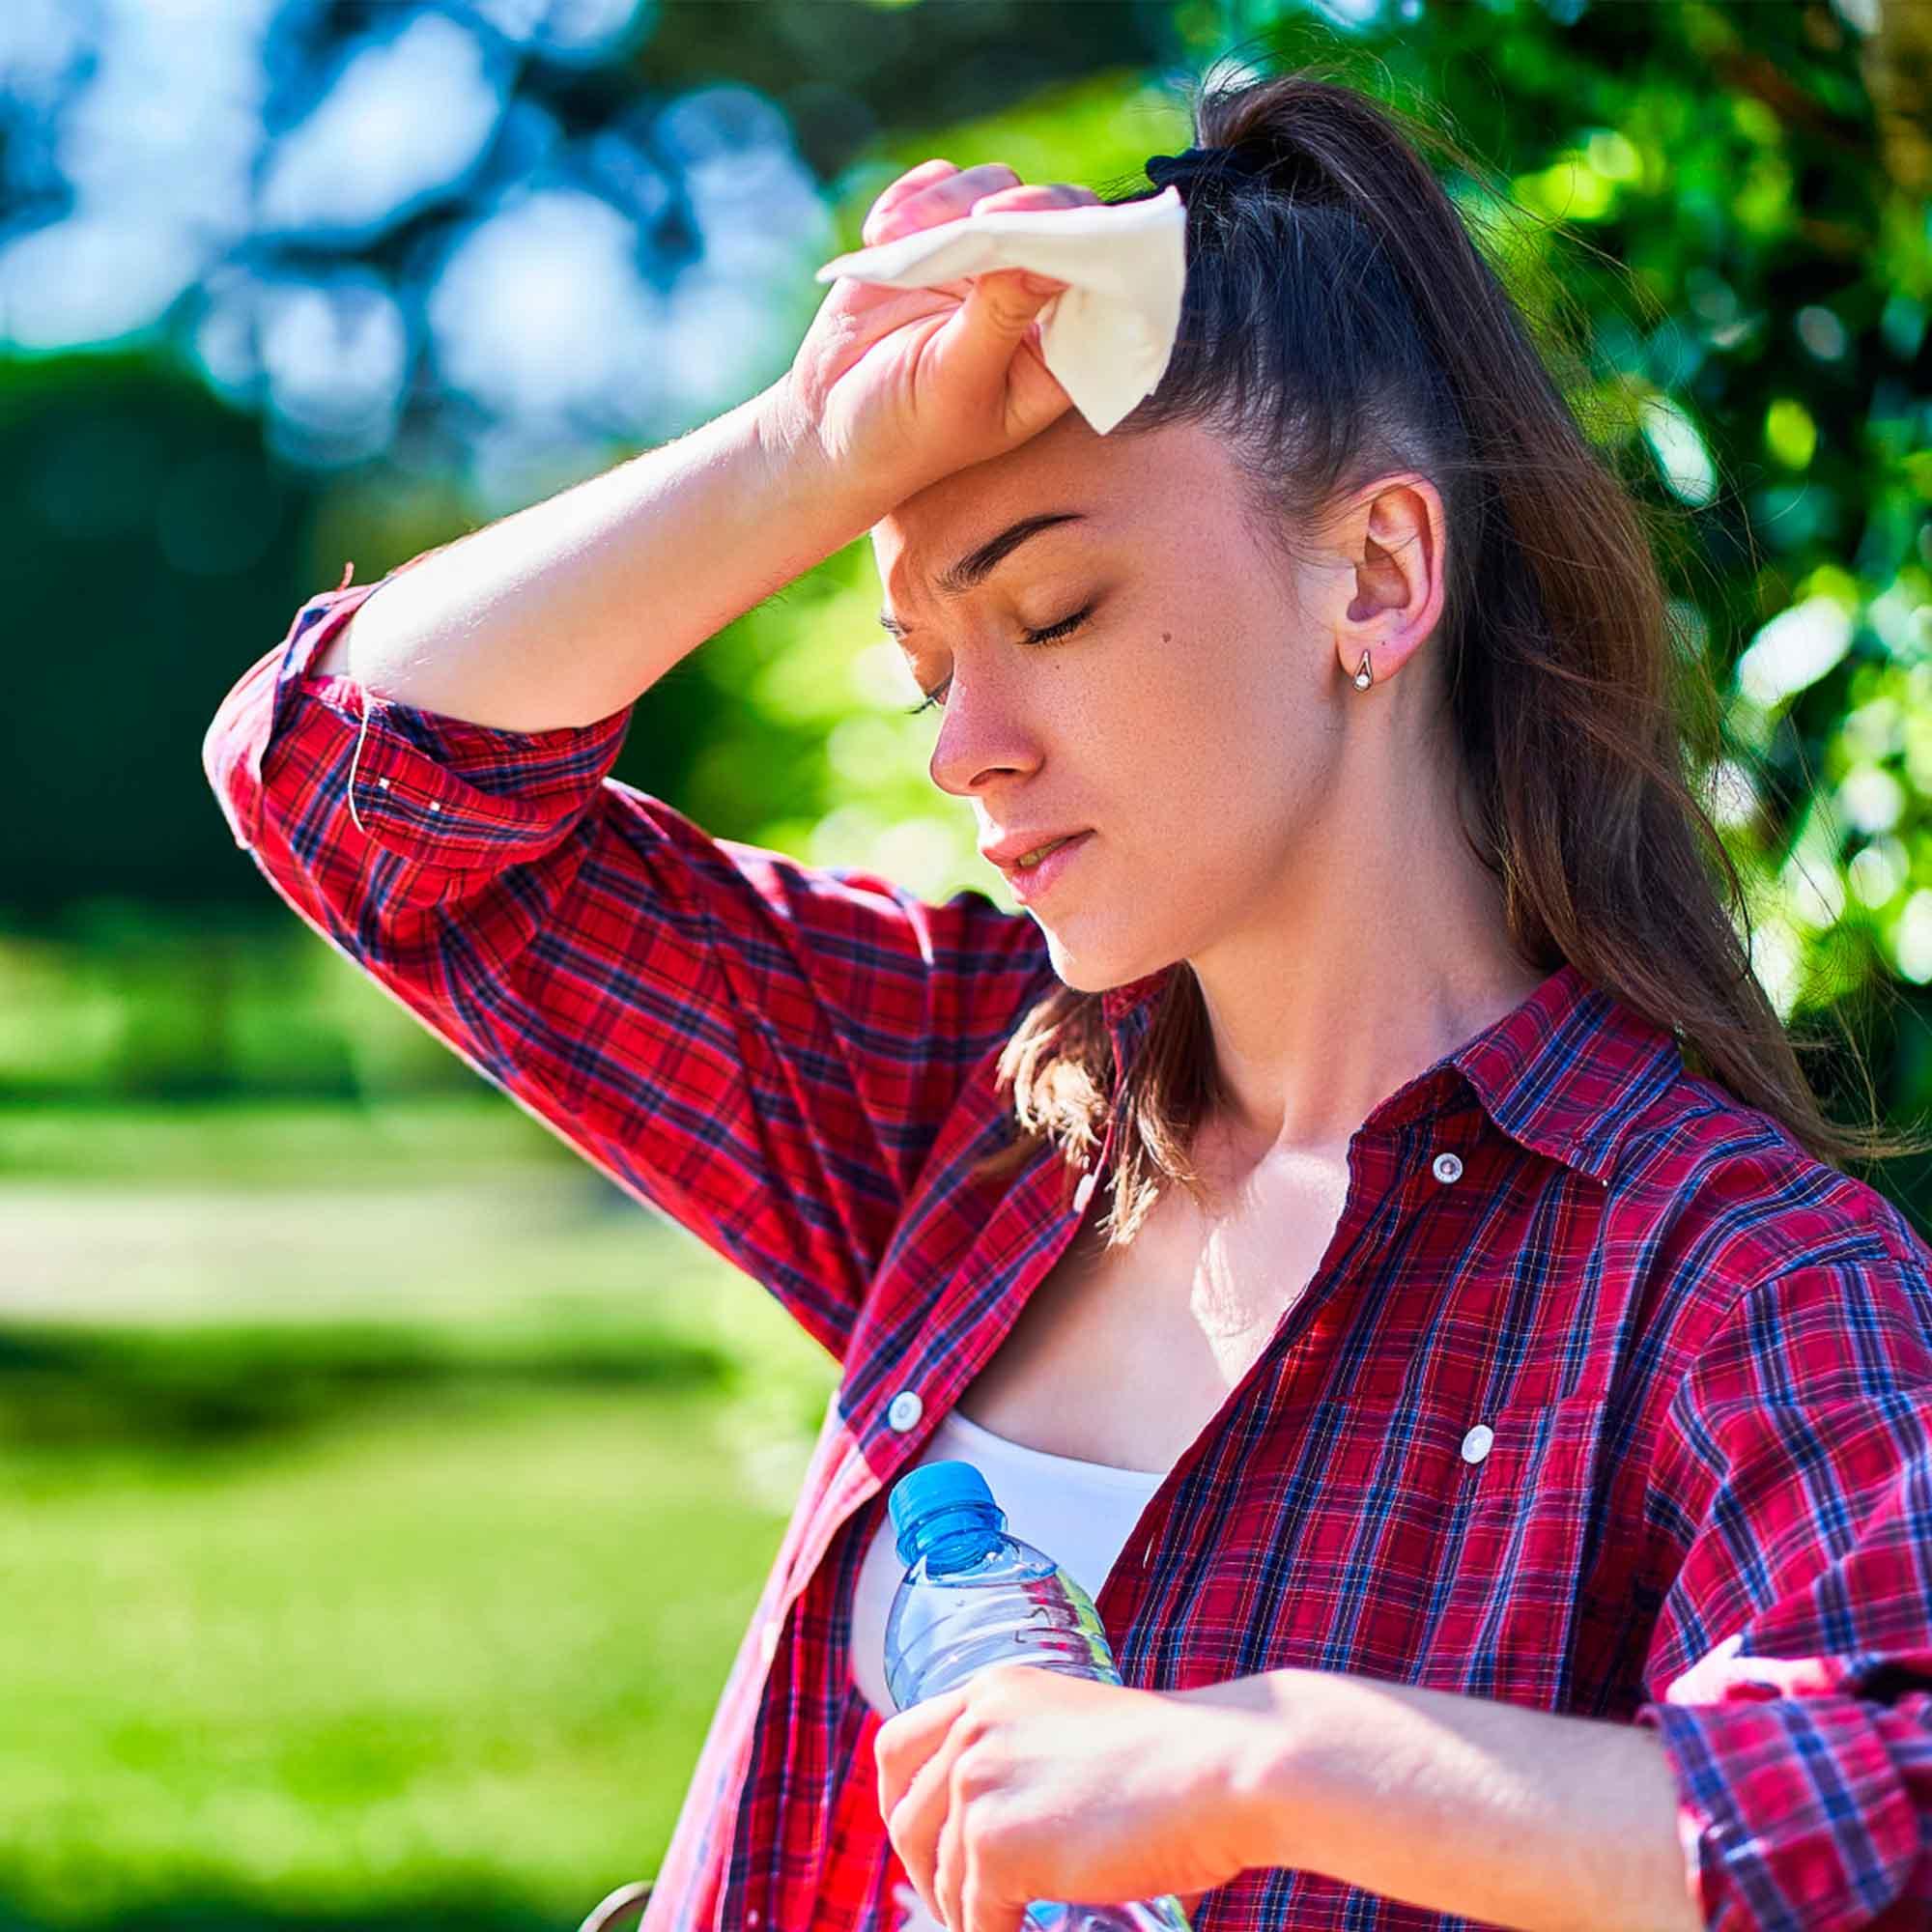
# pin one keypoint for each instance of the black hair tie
(1196, 164)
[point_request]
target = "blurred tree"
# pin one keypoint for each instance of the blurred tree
(492, 245)
(393, 269)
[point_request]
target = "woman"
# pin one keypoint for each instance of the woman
(1492, 1428)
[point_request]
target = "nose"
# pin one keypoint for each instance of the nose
(982, 733)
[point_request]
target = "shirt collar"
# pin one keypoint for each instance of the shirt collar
(1566, 1073)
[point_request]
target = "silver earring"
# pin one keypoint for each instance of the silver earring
(1364, 673)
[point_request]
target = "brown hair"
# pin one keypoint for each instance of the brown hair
(1338, 325)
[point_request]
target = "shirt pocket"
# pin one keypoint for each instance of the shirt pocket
(1528, 1512)
(1517, 1466)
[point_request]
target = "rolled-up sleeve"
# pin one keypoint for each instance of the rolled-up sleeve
(1789, 1677)
(762, 1049)
(430, 797)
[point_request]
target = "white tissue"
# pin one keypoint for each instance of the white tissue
(1106, 336)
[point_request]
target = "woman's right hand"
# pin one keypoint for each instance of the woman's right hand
(897, 388)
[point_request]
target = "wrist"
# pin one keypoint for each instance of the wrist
(801, 469)
(1261, 1764)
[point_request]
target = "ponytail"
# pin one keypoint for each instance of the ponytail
(1339, 323)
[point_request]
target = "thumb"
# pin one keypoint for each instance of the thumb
(976, 346)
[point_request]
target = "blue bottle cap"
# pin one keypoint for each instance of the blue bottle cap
(938, 1486)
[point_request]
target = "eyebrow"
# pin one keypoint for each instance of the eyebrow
(976, 566)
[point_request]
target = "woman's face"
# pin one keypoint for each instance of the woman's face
(1192, 719)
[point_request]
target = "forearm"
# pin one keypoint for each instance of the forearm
(566, 611)
(1461, 1804)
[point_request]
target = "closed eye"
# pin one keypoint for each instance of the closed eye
(1048, 636)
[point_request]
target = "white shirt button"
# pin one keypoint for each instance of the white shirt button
(384, 783)
(905, 1411)
(1084, 1193)
(1448, 1167)
(1476, 1444)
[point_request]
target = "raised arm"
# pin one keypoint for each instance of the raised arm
(764, 1050)
(571, 608)
(568, 610)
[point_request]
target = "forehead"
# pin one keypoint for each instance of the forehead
(925, 546)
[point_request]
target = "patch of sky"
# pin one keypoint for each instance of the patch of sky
(403, 116)
(576, 31)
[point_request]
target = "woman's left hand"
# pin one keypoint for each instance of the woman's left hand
(1027, 1783)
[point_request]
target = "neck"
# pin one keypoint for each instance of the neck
(1383, 949)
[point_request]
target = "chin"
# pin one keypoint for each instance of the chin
(1087, 968)
(1077, 969)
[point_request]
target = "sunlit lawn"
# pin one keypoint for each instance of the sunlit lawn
(378, 1535)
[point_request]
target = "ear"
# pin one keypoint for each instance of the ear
(1390, 588)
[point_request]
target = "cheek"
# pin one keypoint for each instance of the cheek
(1209, 665)
(1219, 747)
(1237, 794)
(1218, 739)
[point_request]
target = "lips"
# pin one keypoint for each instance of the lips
(1008, 852)
(1039, 852)
(1029, 884)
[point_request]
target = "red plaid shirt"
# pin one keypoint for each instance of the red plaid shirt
(1704, 1356)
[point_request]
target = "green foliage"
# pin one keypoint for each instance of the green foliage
(227, 1385)
(135, 1004)
(151, 546)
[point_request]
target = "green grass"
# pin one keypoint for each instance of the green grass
(463, 1650)
(453, 1221)
(269, 1145)
(380, 1524)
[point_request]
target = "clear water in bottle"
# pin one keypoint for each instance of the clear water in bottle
(974, 1596)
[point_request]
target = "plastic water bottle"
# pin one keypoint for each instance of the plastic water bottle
(972, 1597)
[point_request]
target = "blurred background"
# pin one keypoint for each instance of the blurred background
(350, 1426)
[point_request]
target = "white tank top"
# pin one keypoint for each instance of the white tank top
(1080, 1513)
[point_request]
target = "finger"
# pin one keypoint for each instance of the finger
(983, 1913)
(976, 346)
(1039, 195)
(895, 193)
(945, 200)
(907, 1740)
(915, 1823)
(936, 169)
(948, 1866)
